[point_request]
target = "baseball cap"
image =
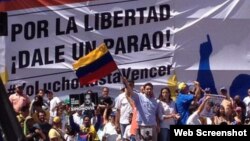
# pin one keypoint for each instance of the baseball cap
(182, 86)
(56, 119)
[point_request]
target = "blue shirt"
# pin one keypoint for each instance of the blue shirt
(183, 101)
(147, 109)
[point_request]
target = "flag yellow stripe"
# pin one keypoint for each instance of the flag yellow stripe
(91, 57)
(4, 76)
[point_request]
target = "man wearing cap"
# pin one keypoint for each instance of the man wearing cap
(55, 133)
(184, 100)
(19, 99)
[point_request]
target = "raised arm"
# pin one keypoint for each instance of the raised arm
(105, 120)
(128, 88)
(197, 91)
(201, 107)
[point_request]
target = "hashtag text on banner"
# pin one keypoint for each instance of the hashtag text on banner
(97, 64)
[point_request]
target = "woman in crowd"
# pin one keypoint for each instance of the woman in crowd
(167, 113)
(221, 117)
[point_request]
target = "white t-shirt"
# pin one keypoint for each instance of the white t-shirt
(246, 100)
(125, 108)
(110, 132)
(52, 104)
(164, 110)
(78, 119)
(193, 119)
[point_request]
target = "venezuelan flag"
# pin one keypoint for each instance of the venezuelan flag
(95, 65)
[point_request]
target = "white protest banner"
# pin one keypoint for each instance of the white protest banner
(150, 41)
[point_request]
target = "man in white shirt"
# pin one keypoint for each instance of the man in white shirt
(246, 100)
(123, 110)
(54, 102)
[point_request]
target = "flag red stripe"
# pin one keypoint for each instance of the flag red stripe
(24, 4)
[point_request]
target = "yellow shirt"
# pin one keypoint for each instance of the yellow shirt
(54, 134)
(21, 119)
(90, 130)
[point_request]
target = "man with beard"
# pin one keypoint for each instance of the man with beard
(43, 123)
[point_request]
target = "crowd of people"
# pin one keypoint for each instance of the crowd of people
(134, 115)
